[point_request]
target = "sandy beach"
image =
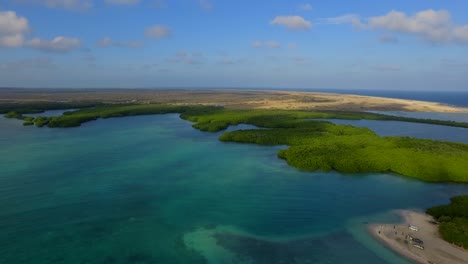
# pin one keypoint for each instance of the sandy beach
(234, 99)
(401, 239)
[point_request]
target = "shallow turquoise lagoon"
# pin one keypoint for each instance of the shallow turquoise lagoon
(151, 189)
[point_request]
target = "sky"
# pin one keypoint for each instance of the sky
(359, 44)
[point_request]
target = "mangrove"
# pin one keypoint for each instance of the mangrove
(453, 219)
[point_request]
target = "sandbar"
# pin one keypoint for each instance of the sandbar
(436, 250)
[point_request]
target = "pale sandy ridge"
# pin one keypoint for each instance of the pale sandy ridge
(237, 99)
(436, 250)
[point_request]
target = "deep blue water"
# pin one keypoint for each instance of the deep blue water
(151, 189)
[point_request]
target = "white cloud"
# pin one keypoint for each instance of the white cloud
(292, 22)
(122, 2)
(461, 33)
(65, 4)
(432, 25)
(12, 34)
(12, 41)
(10, 23)
(272, 44)
(429, 24)
(106, 42)
(158, 31)
(306, 7)
(12, 29)
(58, 44)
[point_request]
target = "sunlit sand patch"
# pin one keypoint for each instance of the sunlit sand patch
(225, 244)
(203, 241)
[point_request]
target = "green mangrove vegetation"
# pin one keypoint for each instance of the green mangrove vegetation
(453, 219)
(28, 121)
(313, 145)
(213, 118)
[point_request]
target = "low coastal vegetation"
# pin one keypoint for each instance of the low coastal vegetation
(214, 118)
(453, 220)
(313, 145)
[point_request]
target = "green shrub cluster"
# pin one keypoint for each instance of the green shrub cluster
(76, 118)
(222, 118)
(355, 150)
(13, 114)
(28, 123)
(453, 220)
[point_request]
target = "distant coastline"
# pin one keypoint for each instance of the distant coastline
(453, 97)
(235, 99)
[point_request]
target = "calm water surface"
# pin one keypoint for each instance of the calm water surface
(151, 189)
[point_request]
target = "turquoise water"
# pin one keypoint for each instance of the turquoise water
(424, 131)
(151, 189)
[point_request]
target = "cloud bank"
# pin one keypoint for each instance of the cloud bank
(431, 25)
(292, 22)
(12, 29)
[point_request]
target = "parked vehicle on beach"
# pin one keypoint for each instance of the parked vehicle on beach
(418, 246)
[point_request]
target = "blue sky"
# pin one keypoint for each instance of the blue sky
(404, 45)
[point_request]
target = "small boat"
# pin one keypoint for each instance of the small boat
(412, 227)
(418, 246)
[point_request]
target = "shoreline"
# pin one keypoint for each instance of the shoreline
(436, 250)
(235, 99)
